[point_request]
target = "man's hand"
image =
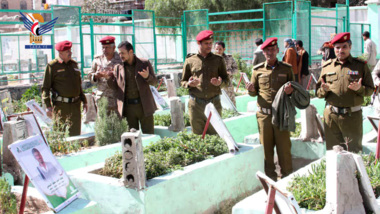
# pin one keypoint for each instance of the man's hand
(144, 73)
(193, 82)
(355, 85)
(216, 82)
(250, 87)
(49, 112)
(288, 89)
(100, 75)
(85, 108)
(325, 86)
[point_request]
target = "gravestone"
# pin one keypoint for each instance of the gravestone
(176, 113)
(171, 88)
(309, 124)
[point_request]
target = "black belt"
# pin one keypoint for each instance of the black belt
(203, 101)
(134, 101)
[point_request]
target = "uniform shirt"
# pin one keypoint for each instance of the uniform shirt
(258, 56)
(204, 69)
(339, 76)
(131, 90)
(370, 52)
(63, 78)
(267, 81)
(100, 62)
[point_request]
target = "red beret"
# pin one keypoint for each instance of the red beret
(63, 46)
(340, 38)
(269, 42)
(204, 35)
(107, 40)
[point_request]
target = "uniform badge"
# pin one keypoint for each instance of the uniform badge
(331, 73)
(60, 70)
(353, 72)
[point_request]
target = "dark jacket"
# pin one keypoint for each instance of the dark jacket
(118, 83)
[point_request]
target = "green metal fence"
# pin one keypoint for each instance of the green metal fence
(357, 30)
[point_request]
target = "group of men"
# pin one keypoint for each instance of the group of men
(124, 80)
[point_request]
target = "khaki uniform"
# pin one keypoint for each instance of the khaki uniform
(204, 69)
(100, 64)
(343, 114)
(232, 68)
(267, 81)
(65, 80)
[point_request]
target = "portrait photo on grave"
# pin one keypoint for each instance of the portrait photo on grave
(44, 171)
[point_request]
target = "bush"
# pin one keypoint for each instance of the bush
(242, 67)
(8, 202)
(89, 90)
(182, 91)
(165, 119)
(31, 93)
(297, 132)
(170, 154)
(367, 101)
(310, 190)
(108, 127)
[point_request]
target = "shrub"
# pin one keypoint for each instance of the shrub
(89, 90)
(108, 126)
(170, 154)
(310, 190)
(297, 132)
(242, 67)
(31, 93)
(8, 202)
(182, 91)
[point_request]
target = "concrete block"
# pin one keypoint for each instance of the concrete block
(251, 106)
(133, 160)
(171, 88)
(176, 113)
(309, 124)
(91, 114)
(342, 186)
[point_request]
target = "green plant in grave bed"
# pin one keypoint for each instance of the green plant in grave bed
(89, 90)
(367, 101)
(297, 132)
(242, 67)
(57, 137)
(170, 154)
(182, 91)
(108, 127)
(310, 190)
(8, 202)
(31, 93)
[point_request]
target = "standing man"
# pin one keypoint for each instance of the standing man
(258, 56)
(369, 50)
(267, 78)
(63, 79)
(304, 63)
(131, 81)
(102, 64)
(344, 82)
(220, 47)
(290, 56)
(204, 74)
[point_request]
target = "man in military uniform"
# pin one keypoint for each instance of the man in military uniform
(63, 78)
(344, 82)
(231, 65)
(101, 65)
(204, 74)
(131, 81)
(267, 78)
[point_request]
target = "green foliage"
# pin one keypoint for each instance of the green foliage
(89, 90)
(242, 67)
(108, 126)
(165, 119)
(57, 137)
(310, 190)
(31, 93)
(182, 91)
(312, 94)
(170, 154)
(175, 8)
(8, 202)
(162, 88)
(367, 101)
(297, 132)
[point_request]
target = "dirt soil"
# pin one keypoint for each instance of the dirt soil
(33, 205)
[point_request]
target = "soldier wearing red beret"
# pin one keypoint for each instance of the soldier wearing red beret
(344, 82)
(63, 79)
(101, 66)
(267, 78)
(204, 74)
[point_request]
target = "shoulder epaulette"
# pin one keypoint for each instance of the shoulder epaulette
(259, 65)
(360, 60)
(328, 62)
(53, 62)
(190, 55)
